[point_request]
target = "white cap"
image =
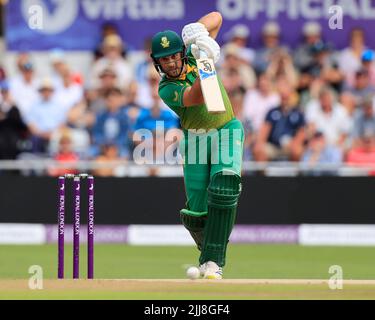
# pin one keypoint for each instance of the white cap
(311, 28)
(239, 31)
(271, 28)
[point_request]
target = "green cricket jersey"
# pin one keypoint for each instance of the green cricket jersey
(171, 92)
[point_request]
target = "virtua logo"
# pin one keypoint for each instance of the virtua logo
(57, 15)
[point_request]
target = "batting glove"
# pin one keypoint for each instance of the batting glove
(192, 31)
(209, 46)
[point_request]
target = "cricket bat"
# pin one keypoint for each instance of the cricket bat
(210, 84)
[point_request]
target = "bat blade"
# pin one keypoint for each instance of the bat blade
(210, 86)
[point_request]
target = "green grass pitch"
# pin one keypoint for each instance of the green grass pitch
(155, 263)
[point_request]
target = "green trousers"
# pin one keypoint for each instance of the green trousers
(210, 160)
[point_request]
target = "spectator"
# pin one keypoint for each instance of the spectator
(271, 43)
(108, 153)
(364, 153)
(308, 88)
(282, 134)
(329, 117)
(281, 68)
(24, 88)
(45, 116)
(361, 88)
(112, 125)
(145, 71)
(364, 122)
(108, 29)
(349, 103)
(303, 57)
(233, 60)
(112, 48)
(68, 93)
(349, 59)
(59, 67)
(239, 35)
(65, 154)
(318, 152)
(95, 97)
(259, 101)
(325, 67)
(13, 131)
(233, 84)
(368, 65)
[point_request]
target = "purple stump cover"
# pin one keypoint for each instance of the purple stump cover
(90, 229)
(76, 226)
(60, 229)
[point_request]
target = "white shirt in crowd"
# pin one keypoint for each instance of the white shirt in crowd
(123, 69)
(257, 105)
(348, 63)
(24, 95)
(69, 96)
(332, 124)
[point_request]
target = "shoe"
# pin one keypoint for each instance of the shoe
(212, 271)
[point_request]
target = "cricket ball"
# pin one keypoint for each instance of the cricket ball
(193, 273)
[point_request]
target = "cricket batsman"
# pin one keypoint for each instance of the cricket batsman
(212, 187)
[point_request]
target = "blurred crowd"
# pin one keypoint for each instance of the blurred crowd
(311, 104)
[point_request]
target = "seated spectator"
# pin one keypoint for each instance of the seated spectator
(282, 134)
(364, 122)
(271, 43)
(24, 88)
(45, 116)
(13, 131)
(68, 93)
(112, 125)
(112, 58)
(364, 153)
(149, 89)
(324, 66)
(108, 153)
(348, 101)
(239, 35)
(107, 29)
(329, 117)
(318, 152)
(236, 93)
(368, 57)
(148, 117)
(303, 57)
(145, 72)
(308, 88)
(281, 67)
(349, 60)
(65, 154)
(96, 96)
(233, 60)
(362, 87)
(59, 67)
(259, 101)
(80, 141)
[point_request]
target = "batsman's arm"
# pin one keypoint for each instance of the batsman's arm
(193, 95)
(212, 22)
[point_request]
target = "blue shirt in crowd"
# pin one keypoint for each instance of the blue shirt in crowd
(146, 120)
(112, 128)
(284, 124)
